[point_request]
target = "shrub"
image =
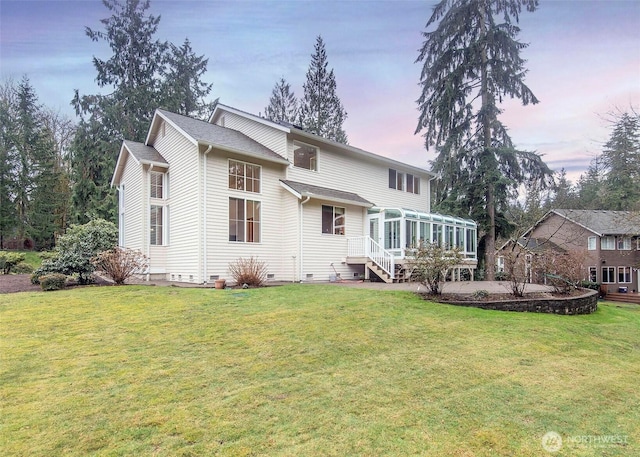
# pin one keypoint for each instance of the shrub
(35, 278)
(480, 294)
(53, 281)
(249, 271)
(75, 249)
(121, 263)
(431, 262)
(9, 260)
(23, 268)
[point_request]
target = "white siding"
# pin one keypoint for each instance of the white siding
(271, 248)
(343, 171)
(274, 139)
(133, 205)
(183, 251)
(321, 250)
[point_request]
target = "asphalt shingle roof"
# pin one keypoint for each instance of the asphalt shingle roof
(604, 222)
(205, 132)
(144, 153)
(326, 193)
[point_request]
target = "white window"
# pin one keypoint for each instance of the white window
(244, 220)
(396, 179)
(608, 243)
(593, 274)
(305, 156)
(156, 224)
(413, 184)
(608, 275)
(624, 243)
(500, 264)
(624, 274)
(244, 176)
(333, 220)
(157, 184)
(591, 243)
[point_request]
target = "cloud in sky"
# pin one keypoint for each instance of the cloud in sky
(583, 61)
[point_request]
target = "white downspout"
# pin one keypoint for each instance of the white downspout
(301, 246)
(204, 275)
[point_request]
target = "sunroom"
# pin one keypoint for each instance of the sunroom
(393, 232)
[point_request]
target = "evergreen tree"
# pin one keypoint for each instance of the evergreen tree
(621, 158)
(184, 91)
(8, 163)
(321, 111)
(471, 63)
(283, 105)
(589, 189)
(564, 195)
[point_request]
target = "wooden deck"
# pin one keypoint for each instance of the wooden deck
(624, 298)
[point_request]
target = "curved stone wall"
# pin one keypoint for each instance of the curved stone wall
(583, 304)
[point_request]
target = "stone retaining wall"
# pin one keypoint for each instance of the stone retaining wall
(584, 304)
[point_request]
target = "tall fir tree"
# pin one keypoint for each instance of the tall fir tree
(8, 163)
(183, 90)
(470, 63)
(621, 159)
(283, 105)
(590, 188)
(321, 111)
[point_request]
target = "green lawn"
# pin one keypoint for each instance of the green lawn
(309, 370)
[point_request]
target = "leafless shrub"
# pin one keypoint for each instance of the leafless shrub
(431, 262)
(564, 270)
(121, 263)
(251, 271)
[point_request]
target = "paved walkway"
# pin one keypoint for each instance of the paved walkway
(462, 287)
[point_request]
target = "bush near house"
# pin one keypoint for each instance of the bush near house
(251, 272)
(75, 249)
(121, 263)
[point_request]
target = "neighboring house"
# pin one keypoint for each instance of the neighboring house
(530, 250)
(198, 195)
(610, 240)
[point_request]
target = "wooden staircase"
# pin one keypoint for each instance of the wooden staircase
(401, 273)
(622, 297)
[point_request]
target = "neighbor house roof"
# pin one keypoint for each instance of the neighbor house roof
(603, 222)
(324, 193)
(537, 245)
(221, 137)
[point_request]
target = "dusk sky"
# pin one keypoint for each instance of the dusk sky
(583, 62)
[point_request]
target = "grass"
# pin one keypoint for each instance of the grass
(309, 370)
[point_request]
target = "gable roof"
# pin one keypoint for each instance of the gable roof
(201, 132)
(296, 130)
(141, 153)
(602, 222)
(307, 190)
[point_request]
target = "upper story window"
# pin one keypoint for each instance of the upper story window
(397, 181)
(244, 176)
(244, 220)
(157, 184)
(624, 243)
(305, 156)
(591, 243)
(333, 220)
(608, 243)
(413, 184)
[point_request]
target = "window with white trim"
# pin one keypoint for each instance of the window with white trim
(499, 264)
(608, 275)
(244, 220)
(413, 184)
(624, 274)
(624, 243)
(244, 176)
(156, 180)
(333, 220)
(591, 243)
(593, 274)
(305, 156)
(121, 218)
(608, 243)
(156, 222)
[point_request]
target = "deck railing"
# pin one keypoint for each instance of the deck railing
(365, 246)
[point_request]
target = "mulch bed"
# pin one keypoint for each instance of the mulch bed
(22, 283)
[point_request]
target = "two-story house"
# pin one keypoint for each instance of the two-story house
(609, 239)
(196, 196)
